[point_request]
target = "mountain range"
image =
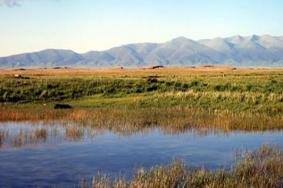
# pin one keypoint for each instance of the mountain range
(250, 51)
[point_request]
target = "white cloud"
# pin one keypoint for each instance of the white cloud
(14, 3)
(10, 3)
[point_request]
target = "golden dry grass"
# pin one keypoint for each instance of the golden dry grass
(171, 120)
(132, 72)
(262, 168)
(200, 105)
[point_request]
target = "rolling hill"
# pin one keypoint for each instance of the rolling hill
(251, 51)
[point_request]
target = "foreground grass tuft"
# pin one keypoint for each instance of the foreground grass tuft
(261, 168)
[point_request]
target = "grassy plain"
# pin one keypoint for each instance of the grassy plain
(173, 99)
(223, 97)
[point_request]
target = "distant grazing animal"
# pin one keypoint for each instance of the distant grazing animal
(57, 67)
(21, 69)
(62, 106)
(158, 67)
(208, 66)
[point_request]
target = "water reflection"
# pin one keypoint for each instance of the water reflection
(44, 154)
(17, 135)
(27, 134)
(31, 134)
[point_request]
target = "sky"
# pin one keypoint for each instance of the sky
(85, 25)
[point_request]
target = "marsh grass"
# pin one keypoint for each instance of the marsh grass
(174, 100)
(128, 100)
(243, 90)
(261, 168)
(127, 120)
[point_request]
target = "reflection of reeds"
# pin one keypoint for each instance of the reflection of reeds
(39, 134)
(32, 135)
(74, 133)
(261, 168)
(20, 139)
(26, 137)
(3, 135)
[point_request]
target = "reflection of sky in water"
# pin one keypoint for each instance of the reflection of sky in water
(68, 156)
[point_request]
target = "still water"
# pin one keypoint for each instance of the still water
(41, 155)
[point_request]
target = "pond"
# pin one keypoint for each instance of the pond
(42, 154)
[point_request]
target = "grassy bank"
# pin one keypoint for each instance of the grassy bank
(261, 168)
(214, 97)
(216, 89)
(28, 90)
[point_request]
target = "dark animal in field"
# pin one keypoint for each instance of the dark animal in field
(158, 67)
(62, 106)
(21, 69)
(151, 77)
(208, 66)
(60, 67)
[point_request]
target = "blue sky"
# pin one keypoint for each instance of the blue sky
(84, 25)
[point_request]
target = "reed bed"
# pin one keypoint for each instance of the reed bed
(130, 100)
(261, 168)
(47, 88)
(174, 119)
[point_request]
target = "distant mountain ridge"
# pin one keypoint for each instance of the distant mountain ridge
(262, 51)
